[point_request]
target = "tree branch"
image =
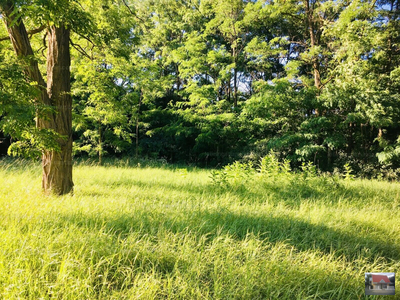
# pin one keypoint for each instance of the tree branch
(79, 49)
(29, 32)
(19, 38)
(86, 38)
(134, 14)
(5, 38)
(44, 44)
(37, 30)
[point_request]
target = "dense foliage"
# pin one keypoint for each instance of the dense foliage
(209, 82)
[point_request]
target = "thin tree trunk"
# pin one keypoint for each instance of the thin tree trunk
(57, 166)
(137, 126)
(235, 89)
(314, 42)
(329, 154)
(100, 145)
(229, 88)
(390, 38)
(350, 140)
(178, 79)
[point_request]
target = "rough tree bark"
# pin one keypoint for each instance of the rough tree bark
(57, 165)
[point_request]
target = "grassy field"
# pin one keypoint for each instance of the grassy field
(169, 233)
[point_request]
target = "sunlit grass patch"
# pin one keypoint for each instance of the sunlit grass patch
(150, 233)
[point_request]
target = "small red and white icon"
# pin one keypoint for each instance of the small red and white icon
(380, 283)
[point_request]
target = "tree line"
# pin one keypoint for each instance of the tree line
(203, 82)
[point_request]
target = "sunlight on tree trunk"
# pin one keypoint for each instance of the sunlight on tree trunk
(57, 166)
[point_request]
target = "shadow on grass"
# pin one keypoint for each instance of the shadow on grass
(214, 224)
(147, 258)
(190, 217)
(299, 233)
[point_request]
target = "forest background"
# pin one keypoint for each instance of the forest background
(210, 82)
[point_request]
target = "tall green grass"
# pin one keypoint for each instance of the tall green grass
(145, 232)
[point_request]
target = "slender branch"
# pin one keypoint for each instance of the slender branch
(134, 14)
(373, 5)
(327, 80)
(86, 38)
(91, 48)
(79, 49)
(42, 49)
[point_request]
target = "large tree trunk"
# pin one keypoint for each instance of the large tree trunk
(57, 166)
